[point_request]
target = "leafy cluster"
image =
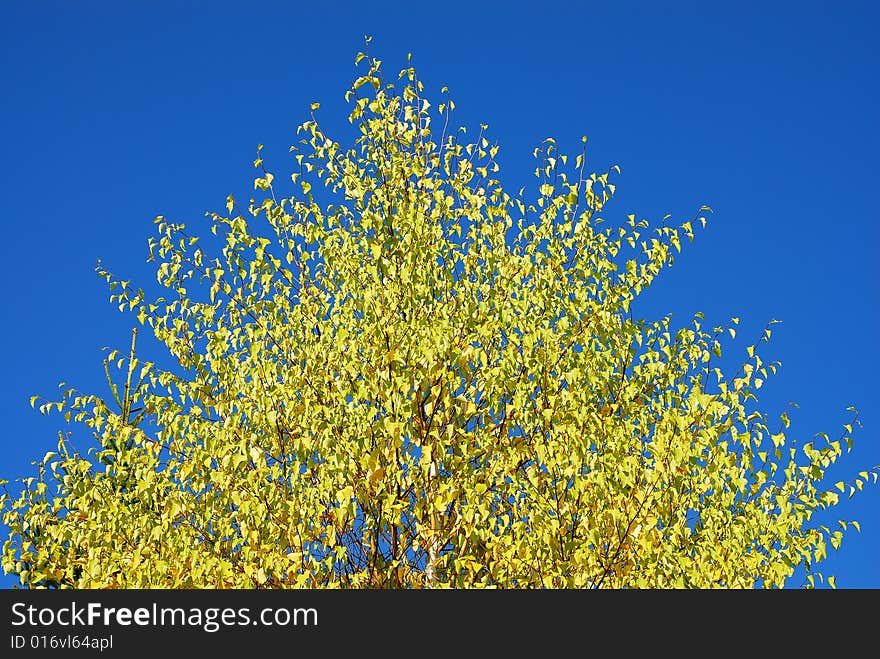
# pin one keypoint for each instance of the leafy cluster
(403, 376)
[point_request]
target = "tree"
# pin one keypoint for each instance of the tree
(403, 376)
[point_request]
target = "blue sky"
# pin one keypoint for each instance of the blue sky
(114, 113)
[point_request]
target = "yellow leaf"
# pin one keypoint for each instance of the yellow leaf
(377, 475)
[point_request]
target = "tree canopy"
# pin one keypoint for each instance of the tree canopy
(404, 375)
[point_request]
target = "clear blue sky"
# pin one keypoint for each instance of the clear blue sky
(114, 112)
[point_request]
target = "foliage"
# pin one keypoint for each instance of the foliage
(403, 376)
